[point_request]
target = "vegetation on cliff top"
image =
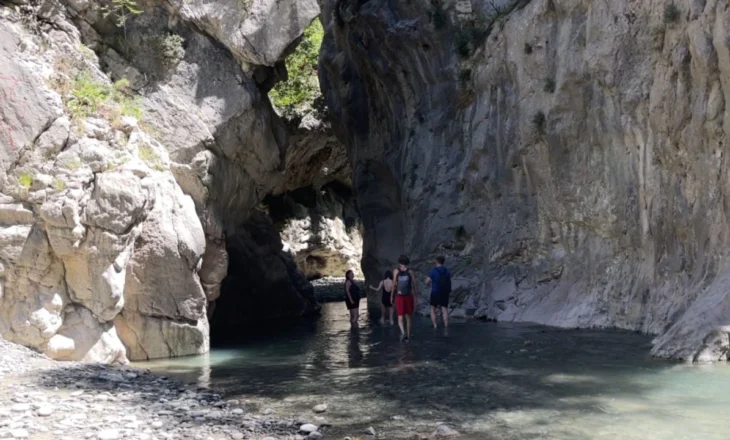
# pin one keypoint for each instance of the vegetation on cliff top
(299, 92)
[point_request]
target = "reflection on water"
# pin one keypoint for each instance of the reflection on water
(489, 381)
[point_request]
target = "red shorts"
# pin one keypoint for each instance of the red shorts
(404, 304)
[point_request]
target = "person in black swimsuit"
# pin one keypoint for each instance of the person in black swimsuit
(352, 297)
(386, 284)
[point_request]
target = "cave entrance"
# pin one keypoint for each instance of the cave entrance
(294, 248)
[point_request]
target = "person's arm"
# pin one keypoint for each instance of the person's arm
(428, 281)
(348, 284)
(380, 286)
(394, 289)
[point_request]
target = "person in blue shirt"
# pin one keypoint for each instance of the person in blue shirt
(439, 279)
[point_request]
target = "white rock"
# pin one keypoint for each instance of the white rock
(307, 428)
(370, 431)
(19, 433)
(320, 408)
(108, 434)
(45, 411)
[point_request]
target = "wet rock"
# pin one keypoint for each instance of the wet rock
(370, 431)
(443, 431)
(314, 435)
(320, 408)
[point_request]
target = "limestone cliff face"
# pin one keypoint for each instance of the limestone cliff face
(115, 230)
(568, 157)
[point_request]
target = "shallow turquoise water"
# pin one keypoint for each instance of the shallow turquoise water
(487, 380)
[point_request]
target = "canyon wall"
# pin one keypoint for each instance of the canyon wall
(568, 157)
(135, 149)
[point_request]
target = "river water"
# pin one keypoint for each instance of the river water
(486, 380)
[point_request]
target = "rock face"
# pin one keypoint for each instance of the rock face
(566, 157)
(118, 202)
(320, 228)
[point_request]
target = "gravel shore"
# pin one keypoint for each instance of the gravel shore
(49, 400)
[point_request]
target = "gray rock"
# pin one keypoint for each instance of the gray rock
(314, 435)
(370, 431)
(561, 227)
(443, 431)
(307, 428)
(320, 408)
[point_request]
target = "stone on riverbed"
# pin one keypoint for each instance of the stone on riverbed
(320, 408)
(308, 428)
(45, 411)
(19, 433)
(370, 431)
(443, 431)
(108, 434)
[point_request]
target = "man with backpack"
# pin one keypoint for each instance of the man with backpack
(403, 295)
(439, 279)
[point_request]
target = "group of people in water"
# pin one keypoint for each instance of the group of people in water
(399, 288)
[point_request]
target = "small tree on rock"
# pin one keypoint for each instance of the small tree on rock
(121, 10)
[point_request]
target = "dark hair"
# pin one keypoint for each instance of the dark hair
(388, 275)
(440, 259)
(347, 274)
(404, 260)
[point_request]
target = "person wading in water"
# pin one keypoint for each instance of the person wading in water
(440, 281)
(352, 297)
(386, 284)
(405, 292)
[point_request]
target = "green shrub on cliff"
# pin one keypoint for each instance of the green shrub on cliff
(85, 96)
(301, 89)
(671, 13)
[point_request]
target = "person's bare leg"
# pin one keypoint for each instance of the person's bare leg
(383, 309)
(445, 316)
(409, 321)
(400, 324)
(433, 317)
(390, 310)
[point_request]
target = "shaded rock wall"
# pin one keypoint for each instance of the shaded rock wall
(569, 160)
